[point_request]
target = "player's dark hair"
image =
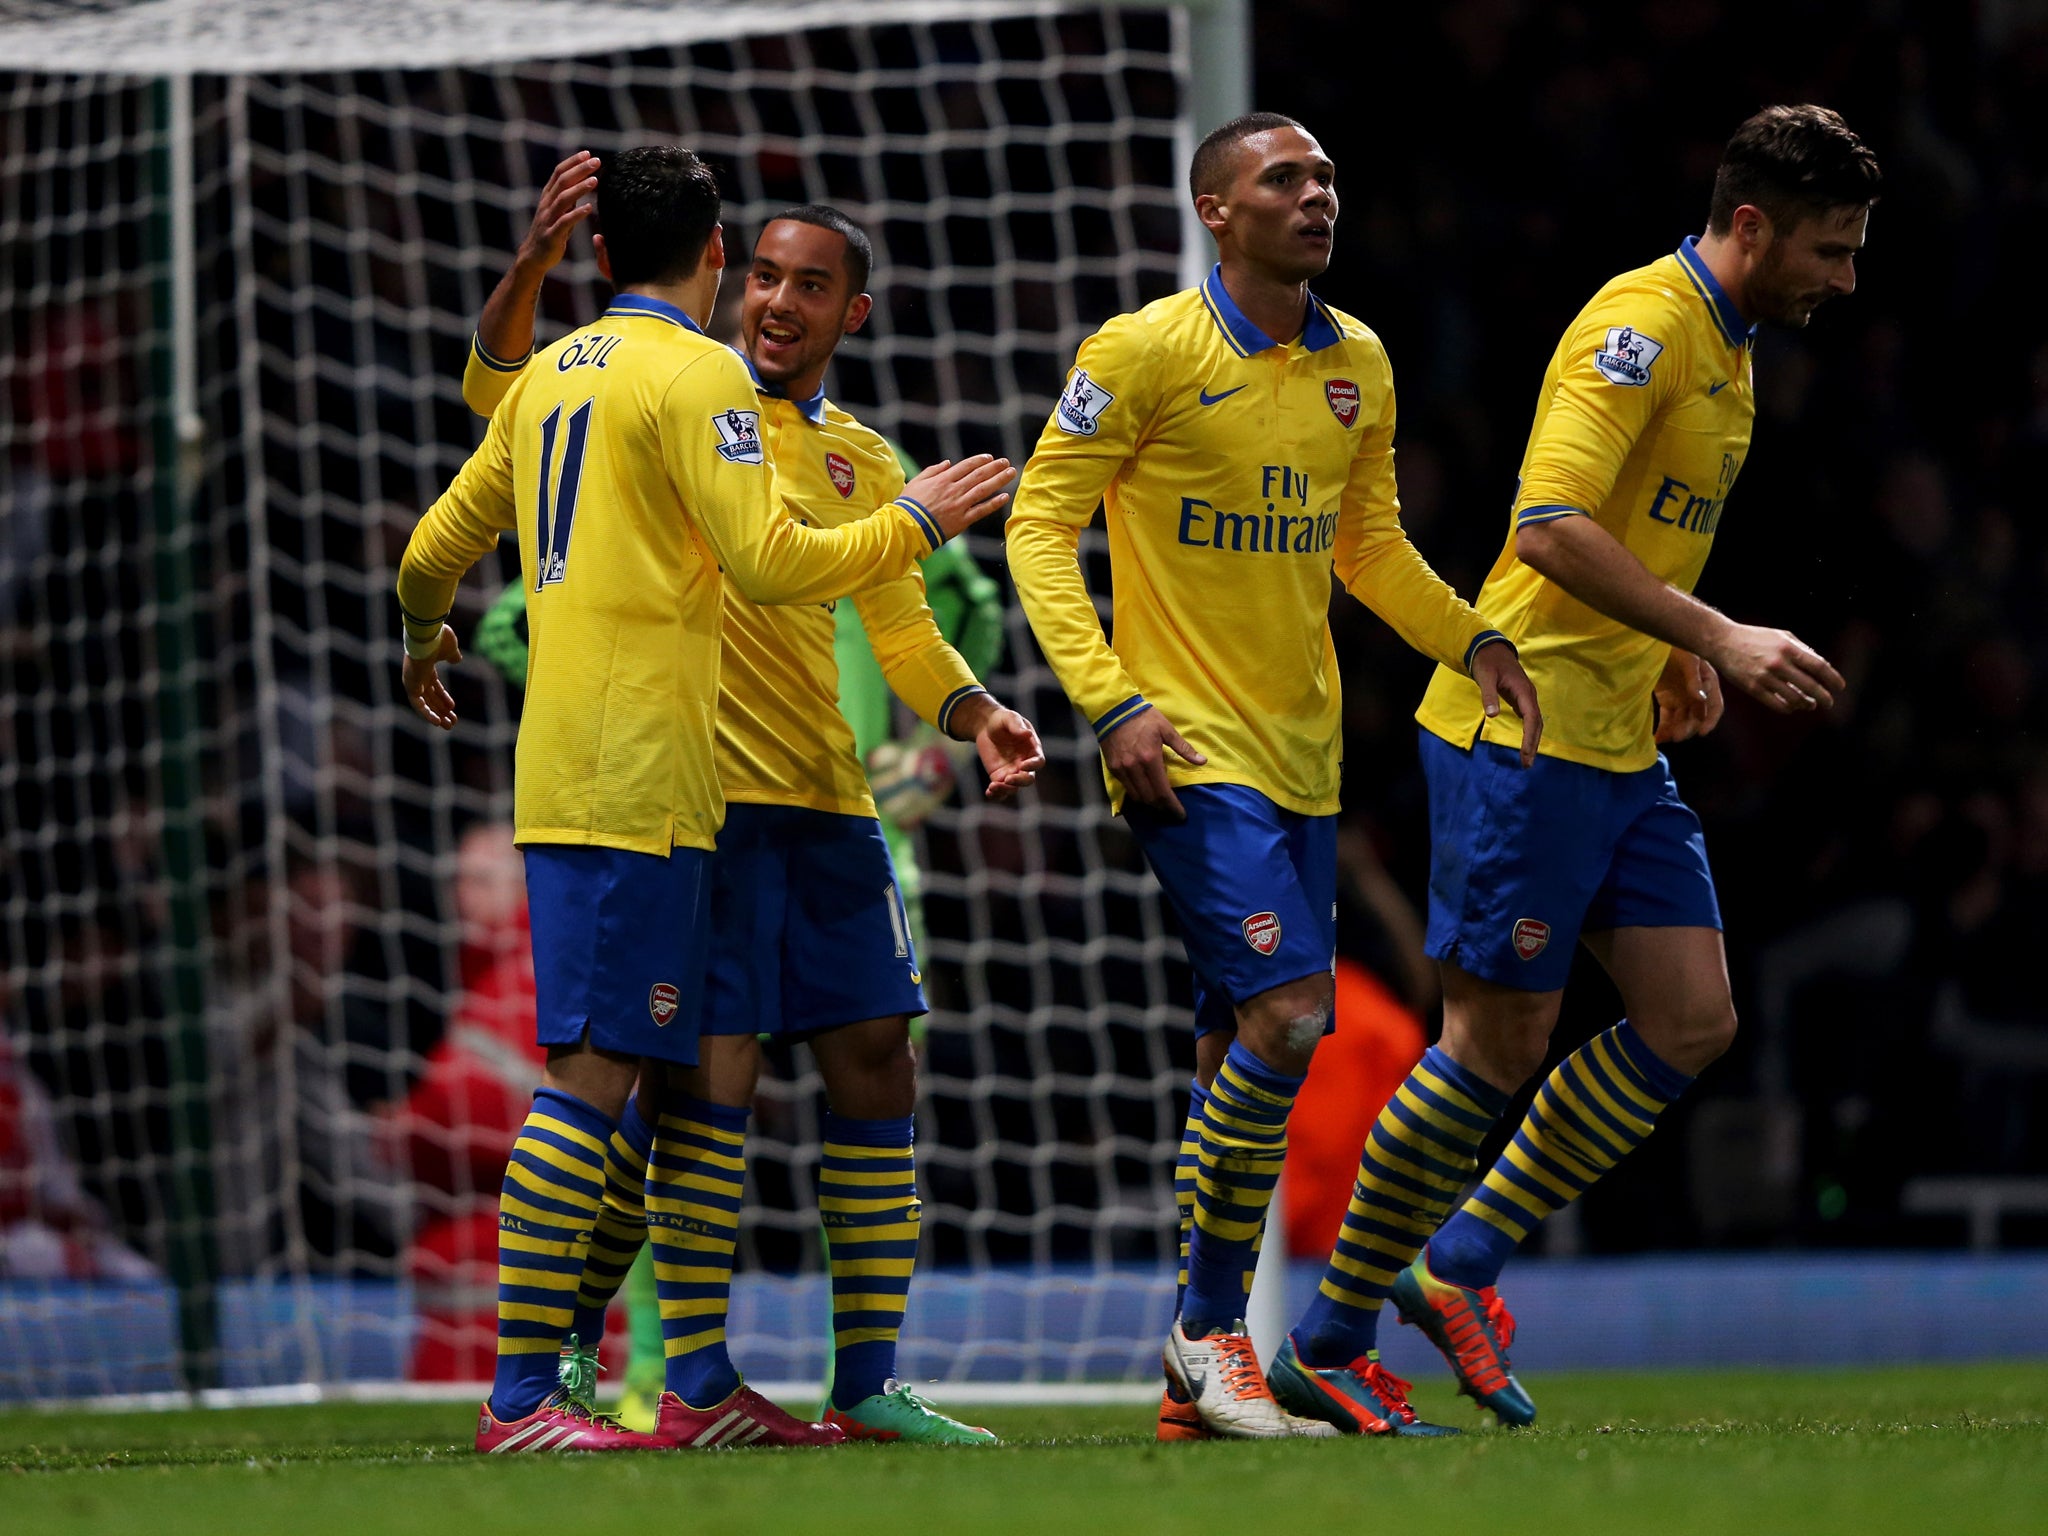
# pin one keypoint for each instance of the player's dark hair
(860, 251)
(1793, 162)
(656, 208)
(1209, 171)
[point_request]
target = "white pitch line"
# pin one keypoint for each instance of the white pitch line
(988, 1394)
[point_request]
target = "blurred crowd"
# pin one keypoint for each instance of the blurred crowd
(1884, 867)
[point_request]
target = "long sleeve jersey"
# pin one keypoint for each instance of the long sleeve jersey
(781, 737)
(1236, 474)
(1642, 424)
(630, 457)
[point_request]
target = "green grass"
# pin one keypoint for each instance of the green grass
(1913, 1450)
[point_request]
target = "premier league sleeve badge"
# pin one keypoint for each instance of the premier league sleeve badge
(1081, 405)
(1627, 356)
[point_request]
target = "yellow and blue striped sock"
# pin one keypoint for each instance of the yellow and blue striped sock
(867, 1199)
(1418, 1158)
(1244, 1142)
(554, 1184)
(621, 1229)
(696, 1179)
(1598, 1106)
(1185, 1168)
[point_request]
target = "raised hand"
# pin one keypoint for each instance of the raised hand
(423, 684)
(1136, 753)
(961, 495)
(1778, 668)
(560, 211)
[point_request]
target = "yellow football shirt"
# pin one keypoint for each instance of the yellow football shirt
(1642, 424)
(630, 458)
(1236, 474)
(781, 739)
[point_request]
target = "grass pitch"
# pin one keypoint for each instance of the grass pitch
(1909, 1450)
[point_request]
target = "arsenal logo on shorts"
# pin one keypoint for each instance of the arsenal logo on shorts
(1531, 937)
(1343, 397)
(662, 1002)
(841, 471)
(1262, 931)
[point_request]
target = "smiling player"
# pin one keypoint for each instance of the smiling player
(1240, 438)
(810, 939)
(1642, 423)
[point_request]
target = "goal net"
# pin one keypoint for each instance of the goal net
(261, 930)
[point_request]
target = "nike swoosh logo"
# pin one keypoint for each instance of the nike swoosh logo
(1209, 399)
(1715, 389)
(917, 978)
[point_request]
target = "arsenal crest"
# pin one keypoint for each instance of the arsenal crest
(841, 471)
(1343, 397)
(662, 1002)
(1262, 931)
(1531, 937)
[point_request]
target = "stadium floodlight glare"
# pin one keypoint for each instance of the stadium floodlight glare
(247, 242)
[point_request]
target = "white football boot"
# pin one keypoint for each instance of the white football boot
(1220, 1375)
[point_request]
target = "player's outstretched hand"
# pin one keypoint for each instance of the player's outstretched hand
(1498, 672)
(1136, 753)
(424, 687)
(960, 495)
(1688, 697)
(560, 211)
(1009, 751)
(1777, 668)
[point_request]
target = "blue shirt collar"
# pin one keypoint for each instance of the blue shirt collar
(813, 409)
(1244, 338)
(1726, 315)
(654, 309)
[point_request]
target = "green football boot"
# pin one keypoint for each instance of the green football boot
(897, 1413)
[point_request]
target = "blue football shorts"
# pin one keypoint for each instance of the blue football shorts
(618, 947)
(808, 931)
(1522, 861)
(1254, 888)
